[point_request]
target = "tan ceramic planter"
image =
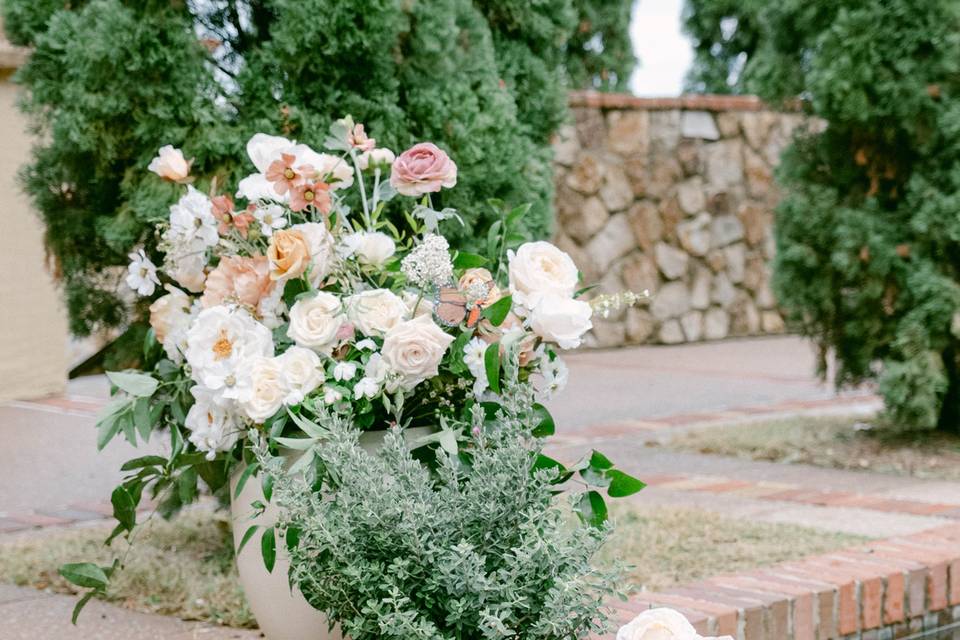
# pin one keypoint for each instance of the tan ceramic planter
(282, 614)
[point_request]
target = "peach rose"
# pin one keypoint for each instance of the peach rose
(423, 168)
(170, 164)
(238, 279)
(289, 254)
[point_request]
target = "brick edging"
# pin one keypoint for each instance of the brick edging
(884, 589)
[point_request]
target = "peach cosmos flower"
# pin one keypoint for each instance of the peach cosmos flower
(315, 193)
(227, 218)
(289, 254)
(423, 168)
(284, 176)
(238, 279)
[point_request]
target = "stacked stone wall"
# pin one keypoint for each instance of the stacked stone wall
(674, 196)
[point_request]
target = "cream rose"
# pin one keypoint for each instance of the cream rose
(539, 268)
(170, 318)
(561, 320)
(315, 321)
(660, 624)
(320, 244)
(170, 164)
(289, 254)
(303, 371)
(372, 248)
(413, 349)
(262, 388)
(376, 311)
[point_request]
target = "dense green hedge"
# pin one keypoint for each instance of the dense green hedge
(868, 232)
(109, 82)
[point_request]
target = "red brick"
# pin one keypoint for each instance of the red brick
(955, 582)
(725, 616)
(937, 587)
(800, 600)
(777, 608)
(848, 620)
(825, 598)
(751, 608)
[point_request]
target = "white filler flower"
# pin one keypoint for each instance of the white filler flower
(142, 274)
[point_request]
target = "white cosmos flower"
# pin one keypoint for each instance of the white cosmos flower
(555, 376)
(366, 388)
(270, 217)
(142, 274)
(191, 218)
(473, 356)
(256, 188)
(330, 168)
(345, 370)
(261, 387)
(212, 423)
(220, 342)
(303, 372)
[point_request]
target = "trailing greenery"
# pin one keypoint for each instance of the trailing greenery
(868, 233)
(110, 82)
(475, 548)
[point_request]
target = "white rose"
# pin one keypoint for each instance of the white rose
(315, 321)
(262, 388)
(212, 423)
(413, 350)
(658, 624)
(561, 320)
(220, 340)
(323, 257)
(381, 156)
(303, 371)
(539, 268)
(264, 149)
(376, 311)
(170, 318)
(372, 248)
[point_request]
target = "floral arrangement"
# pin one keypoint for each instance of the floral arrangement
(305, 298)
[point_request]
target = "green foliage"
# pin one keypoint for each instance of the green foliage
(475, 548)
(110, 82)
(868, 232)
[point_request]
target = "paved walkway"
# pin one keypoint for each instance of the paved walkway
(50, 472)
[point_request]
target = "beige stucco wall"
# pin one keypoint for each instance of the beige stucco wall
(33, 331)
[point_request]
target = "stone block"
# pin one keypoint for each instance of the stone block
(671, 261)
(671, 301)
(628, 132)
(698, 124)
(614, 241)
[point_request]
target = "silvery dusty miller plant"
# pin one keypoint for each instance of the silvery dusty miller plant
(477, 547)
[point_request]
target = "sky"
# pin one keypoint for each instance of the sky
(664, 52)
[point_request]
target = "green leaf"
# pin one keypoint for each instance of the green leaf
(582, 291)
(107, 428)
(292, 538)
(249, 471)
(592, 509)
(84, 574)
(176, 441)
(297, 444)
(246, 537)
(187, 485)
(268, 549)
(493, 239)
(546, 462)
(293, 288)
(600, 461)
(266, 484)
(518, 212)
(468, 260)
(545, 425)
(141, 418)
(145, 461)
(136, 384)
(124, 507)
(81, 603)
(622, 484)
(498, 311)
(491, 362)
(595, 477)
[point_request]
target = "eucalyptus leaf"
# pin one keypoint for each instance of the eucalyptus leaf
(592, 509)
(136, 384)
(84, 574)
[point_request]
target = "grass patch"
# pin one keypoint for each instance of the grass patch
(669, 546)
(833, 442)
(185, 567)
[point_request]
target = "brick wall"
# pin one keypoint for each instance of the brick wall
(674, 196)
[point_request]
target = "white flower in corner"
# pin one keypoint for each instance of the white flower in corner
(221, 339)
(376, 311)
(303, 371)
(212, 424)
(538, 269)
(371, 248)
(261, 388)
(413, 349)
(142, 274)
(561, 320)
(315, 322)
(658, 624)
(170, 164)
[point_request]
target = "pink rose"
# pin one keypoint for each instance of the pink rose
(236, 279)
(423, 168)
